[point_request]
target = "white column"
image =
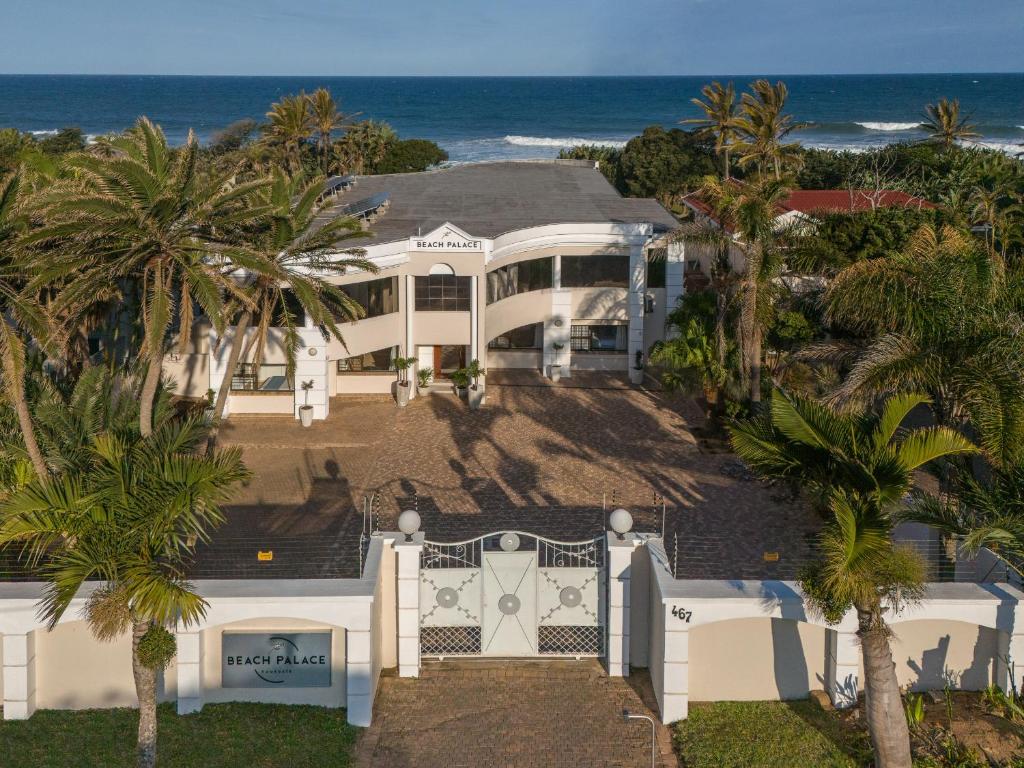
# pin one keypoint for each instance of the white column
(408, 556)
(675, 272)
(556, 272)
(19, 694)
(474, 321)
(637, 295)
(190, 671)
(675, 673)
(842, 663)
(1010, 661)
(557, 329)
(311, 366)
(410, 342)
(359, 687)
(620, 558)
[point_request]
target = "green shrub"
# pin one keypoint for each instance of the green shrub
(411, 156)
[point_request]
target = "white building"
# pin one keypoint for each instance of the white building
(517, 265)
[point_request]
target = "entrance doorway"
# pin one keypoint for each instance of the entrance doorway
(448, 359)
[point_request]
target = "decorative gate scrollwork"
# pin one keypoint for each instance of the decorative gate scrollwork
(512, 594)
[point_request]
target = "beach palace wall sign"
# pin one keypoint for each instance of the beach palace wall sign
(276, 660)
(446, 238)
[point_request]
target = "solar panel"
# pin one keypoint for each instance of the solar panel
(365, 206)
(335, 183)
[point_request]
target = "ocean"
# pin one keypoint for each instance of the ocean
(488, 118)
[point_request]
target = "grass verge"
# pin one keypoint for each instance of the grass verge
(221, 736)
(766, 734)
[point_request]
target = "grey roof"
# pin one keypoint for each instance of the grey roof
(490, 199)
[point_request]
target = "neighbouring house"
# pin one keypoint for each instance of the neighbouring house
(799, 208)
(518, 265)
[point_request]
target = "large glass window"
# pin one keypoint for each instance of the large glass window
(265, 378)
(598, 338)
(378, 361)
(523, 337)
(443, 293)
(523, 276)
(597, 271)
(377, 297)
(656, 272)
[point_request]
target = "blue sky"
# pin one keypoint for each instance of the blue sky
(510, 37)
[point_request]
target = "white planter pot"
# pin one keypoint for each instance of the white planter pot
(306, 415)
(476, 397)
(402, 395)
(636, 375)
(555, 372)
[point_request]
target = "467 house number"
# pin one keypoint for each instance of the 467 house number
(681, 613)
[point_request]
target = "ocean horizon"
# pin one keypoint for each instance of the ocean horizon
(494, 118)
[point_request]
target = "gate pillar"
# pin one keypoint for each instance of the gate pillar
(620, 559)
(407, 554)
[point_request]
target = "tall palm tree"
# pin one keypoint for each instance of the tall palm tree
(128, 524)
(147, 216)
(20, 313)
(763, 128)
(946, 126)
(365, 145)
(860, 466)
(719, 121)
(326, 119)
(292, 256)
(747, 214)
(291, 123)
(943, 317)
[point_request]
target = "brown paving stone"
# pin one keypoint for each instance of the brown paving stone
(508, 713)
(539, 458)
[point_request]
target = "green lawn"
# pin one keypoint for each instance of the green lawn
(221, 736)
(765, 734)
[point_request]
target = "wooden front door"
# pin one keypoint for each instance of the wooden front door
(448, 358)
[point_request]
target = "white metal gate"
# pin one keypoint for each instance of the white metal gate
(512, 594)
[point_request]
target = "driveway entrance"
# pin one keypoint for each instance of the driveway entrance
(501, 714)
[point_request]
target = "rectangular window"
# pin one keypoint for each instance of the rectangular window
(598, 338)
(521, 277)
(266, 378)
(656, 273)
(378, 361)
(377, 297)
(524, 337)
(443, 293)
(597, 271)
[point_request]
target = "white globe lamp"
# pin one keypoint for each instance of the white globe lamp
(621, 522)
(409, 523)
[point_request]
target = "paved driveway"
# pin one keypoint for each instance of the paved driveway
(545, 459)
(504, 714)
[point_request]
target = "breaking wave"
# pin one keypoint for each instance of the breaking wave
(890, 126)
(569, 141)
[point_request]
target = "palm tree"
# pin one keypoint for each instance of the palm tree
(292, 257)
(945, 125)
(982, 512)
(20, 312)
(691, 363)
(860, 466)
(148, 217)
(719, 121)
(128, 524)
(291, 123)
(763, 127)
(747, 214)
(326, 118)
(943, 317)
(365, 145)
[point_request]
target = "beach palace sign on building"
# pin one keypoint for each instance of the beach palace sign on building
(276, 660)
(446, 238)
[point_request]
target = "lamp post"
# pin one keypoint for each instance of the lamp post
(409, 523)
(627, 716)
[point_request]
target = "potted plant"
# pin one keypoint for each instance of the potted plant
(209, 412)
(306, 410)
(423, 377)
(475, 393)
(460, 379)
(402, 365)
(556, 367)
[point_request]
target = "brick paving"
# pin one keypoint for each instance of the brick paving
(540, 458)
(505, 714)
